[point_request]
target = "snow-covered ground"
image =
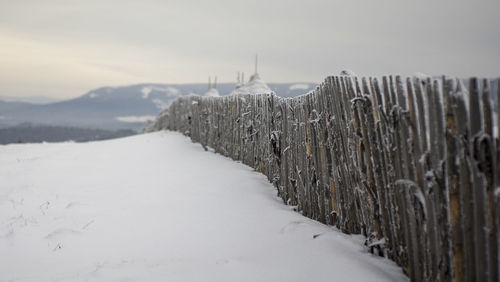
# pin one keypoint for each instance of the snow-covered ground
(156, 207)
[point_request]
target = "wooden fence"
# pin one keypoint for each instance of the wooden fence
(413, 164)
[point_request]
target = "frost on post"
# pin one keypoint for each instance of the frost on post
(413, 164)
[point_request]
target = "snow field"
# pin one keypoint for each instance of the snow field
(157, 207)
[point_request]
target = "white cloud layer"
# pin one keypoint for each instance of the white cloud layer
(64, 48)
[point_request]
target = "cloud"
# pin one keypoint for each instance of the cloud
(64, 48)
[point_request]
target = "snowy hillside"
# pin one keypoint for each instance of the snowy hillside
(157, 207)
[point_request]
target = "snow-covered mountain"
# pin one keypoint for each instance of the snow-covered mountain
(126, 107)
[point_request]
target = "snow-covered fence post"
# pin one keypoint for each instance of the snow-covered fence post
(413, 164)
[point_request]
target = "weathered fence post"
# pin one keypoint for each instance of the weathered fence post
(413, 164)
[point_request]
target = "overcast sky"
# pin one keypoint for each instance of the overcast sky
(65, 48)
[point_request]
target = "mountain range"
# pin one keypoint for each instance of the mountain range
(113, 108)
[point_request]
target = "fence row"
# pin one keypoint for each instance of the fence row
(413, 164)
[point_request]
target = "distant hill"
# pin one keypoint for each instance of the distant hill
(30, 99)
(28, 133)
(112, 108)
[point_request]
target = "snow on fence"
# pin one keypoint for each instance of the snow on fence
(413, 164)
